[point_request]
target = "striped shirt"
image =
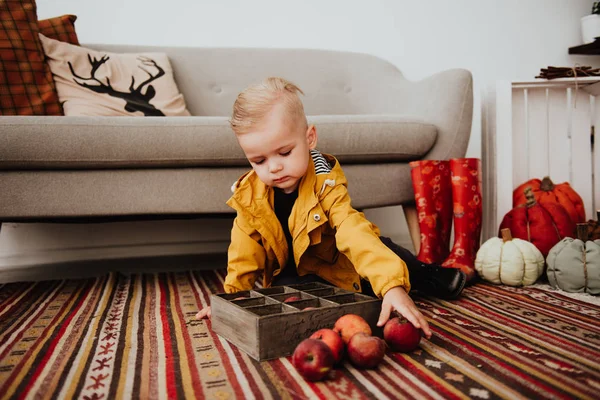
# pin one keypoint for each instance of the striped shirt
(321, 164)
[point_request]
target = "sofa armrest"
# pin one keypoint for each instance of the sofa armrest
(445, 100)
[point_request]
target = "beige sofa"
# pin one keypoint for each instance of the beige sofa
(367, 114)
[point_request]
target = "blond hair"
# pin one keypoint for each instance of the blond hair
(255, 102)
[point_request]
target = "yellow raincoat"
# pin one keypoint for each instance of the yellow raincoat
(330, 238)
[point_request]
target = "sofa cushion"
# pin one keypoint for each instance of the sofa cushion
(26, 82)
(60, 28)
(359, 139)
(97, 193)
(121, 142)
(92, 82)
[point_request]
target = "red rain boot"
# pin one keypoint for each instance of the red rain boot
(466, 193)
(433, 197)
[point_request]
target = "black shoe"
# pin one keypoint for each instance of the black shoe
(437, 281)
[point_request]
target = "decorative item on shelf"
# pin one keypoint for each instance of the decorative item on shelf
(567, 72)
(508, 261)
(543, 224)
(594, 227)
(574, 264)
(590, 24)
(546, 191)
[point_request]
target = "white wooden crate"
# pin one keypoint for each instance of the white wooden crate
(536, 129)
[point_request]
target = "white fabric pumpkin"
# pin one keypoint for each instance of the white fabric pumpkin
(508, 261)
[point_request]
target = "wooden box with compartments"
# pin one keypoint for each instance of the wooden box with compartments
(270, 322)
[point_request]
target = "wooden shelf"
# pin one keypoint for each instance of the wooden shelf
(590, 49)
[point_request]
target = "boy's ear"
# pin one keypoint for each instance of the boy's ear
(311, 137)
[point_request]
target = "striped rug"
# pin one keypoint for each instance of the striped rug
(135, 337)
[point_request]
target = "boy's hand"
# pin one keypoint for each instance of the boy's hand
(204, 313)
(397, 299)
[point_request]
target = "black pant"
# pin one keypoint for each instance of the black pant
(409, 258)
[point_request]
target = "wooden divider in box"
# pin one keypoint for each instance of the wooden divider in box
(264, 326)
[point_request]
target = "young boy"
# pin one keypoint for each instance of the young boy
(294, 221)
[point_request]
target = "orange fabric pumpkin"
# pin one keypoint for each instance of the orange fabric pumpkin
(543, 224)
(545, 191)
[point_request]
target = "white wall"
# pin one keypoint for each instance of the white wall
(502, 39)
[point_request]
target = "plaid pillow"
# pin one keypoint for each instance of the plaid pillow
(26, 84)
(60, 28)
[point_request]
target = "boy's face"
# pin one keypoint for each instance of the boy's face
(279, 149)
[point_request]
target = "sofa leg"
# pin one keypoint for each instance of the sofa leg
(412, 220)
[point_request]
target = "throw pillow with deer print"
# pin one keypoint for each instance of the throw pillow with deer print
(92, 82)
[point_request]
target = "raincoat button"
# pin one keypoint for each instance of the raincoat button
(355, 286)
(317, 217)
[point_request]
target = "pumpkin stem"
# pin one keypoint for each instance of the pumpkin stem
(529, 196)
(547, 185)
(506, 236)
(582, 232)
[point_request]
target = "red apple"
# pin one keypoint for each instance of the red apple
(365, 351)
(333, 340)
(349, 324)
(292, 298)
(313, 359)
(401, 335)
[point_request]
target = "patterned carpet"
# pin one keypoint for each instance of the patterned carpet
(135, 337)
